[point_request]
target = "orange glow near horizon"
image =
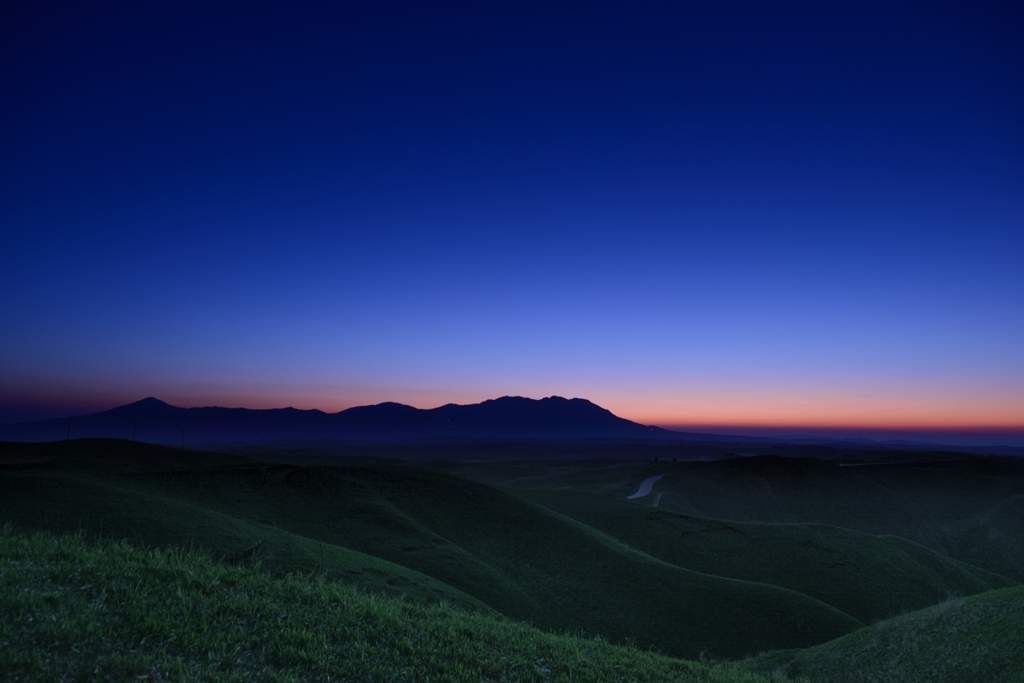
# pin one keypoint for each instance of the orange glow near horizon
(910, 417)
(825, 422)
(702, 410)
(856, 411)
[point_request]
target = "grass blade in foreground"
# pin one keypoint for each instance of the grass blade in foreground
(108, 611)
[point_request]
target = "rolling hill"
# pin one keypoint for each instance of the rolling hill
(970, 508)
(111, 611)
(868, 577)
(563, 549)
(515, 556)
(962, 640)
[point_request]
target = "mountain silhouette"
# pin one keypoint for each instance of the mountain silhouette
(509, 418)
(147, 407)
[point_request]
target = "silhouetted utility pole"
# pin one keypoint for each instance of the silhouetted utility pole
(182, 439)
(69, 430)
(135, 428)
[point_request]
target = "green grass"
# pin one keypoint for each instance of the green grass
(868, 577)
(578, 559)
(962, 640)
(455, 539)
(596, 582)
(78, 610)
(105, 506)
(970, 510)
(330, 506)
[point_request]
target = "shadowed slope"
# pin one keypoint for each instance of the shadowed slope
(970, 509)
(323, 505)
(588, 579)
(114, 455)
(515, 556)
(963, 640)
(85, 611)
(518, 557)
(868, 577)
(105, 506)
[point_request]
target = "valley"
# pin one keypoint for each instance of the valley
(741, 557)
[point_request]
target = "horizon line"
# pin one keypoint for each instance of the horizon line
(728, 428)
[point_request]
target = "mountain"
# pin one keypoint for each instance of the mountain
(508, 418)
(147, 407)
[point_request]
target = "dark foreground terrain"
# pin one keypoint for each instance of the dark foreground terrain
(803, 561)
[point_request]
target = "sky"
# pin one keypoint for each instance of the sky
(730, 216)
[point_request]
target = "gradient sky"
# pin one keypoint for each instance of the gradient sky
(772, 215)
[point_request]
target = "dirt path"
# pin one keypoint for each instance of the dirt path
(645, 487)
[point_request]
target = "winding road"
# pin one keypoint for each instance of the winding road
(645, 487)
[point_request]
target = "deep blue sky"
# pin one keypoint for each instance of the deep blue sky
(701, 214)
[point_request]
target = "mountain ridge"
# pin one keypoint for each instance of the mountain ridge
(503, 418)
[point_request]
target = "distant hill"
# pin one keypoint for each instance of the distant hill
(510, 418)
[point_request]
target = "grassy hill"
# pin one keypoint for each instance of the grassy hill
(963, 640)
(453, 539)
(108, 611)
(592, 581)
(563, 550)
(971, 509)
(868, 577)
(70, 502)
